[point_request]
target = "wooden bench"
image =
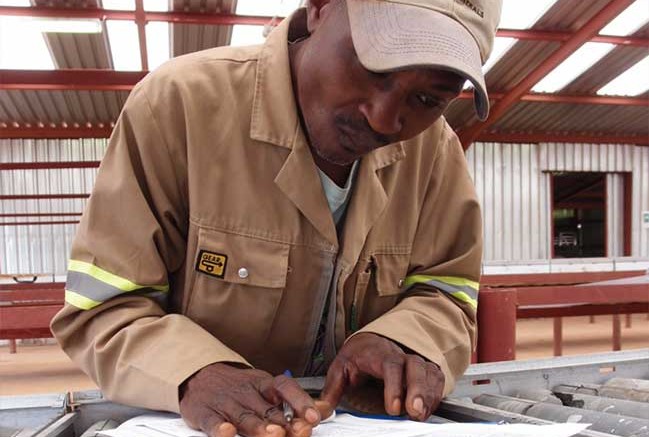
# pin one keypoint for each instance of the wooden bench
(26, 310)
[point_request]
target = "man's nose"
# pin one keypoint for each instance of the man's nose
(383, 112)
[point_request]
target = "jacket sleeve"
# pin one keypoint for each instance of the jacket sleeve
(436, 316)
(131, 239)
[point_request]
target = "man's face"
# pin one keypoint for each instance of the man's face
(347, 110)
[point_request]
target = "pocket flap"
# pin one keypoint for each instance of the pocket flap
(391, 269)
(241, 259)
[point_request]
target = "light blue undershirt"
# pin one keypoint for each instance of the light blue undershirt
(337, 197)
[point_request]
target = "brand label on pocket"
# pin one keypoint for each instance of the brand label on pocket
(211, 263)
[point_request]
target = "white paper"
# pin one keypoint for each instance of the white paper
(346, 425)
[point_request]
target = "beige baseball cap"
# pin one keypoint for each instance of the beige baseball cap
(453, 35)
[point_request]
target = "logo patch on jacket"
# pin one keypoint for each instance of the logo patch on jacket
(211, 263)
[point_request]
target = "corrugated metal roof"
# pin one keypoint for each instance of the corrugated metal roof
(571, 118)
(188, 38)
(93, 51)
(608, 68)
(57, 107)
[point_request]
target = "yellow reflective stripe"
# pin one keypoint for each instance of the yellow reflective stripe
(461, 289)
(450, 280)
(109, 278)
(80, 301)
(460, 295)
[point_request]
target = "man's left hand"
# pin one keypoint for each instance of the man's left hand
(408, 379)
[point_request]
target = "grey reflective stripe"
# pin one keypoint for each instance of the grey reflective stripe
(450, 289)
(94, 289)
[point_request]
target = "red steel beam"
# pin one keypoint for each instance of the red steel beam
(549, 137)
(497, 325)
(568, 98)
(579, 38)
(42, 196)
(27, 321)
(48, 165)
(74, 79)
(140, 21)
(533, 312)
(110, 80)
(541, 279)
(544, 35)
(587, 294)
(106, 14)
(56, 132)
(229, 19)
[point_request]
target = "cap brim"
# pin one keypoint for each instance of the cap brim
(392, 36)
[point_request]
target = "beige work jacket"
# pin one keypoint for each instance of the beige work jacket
(208, 238)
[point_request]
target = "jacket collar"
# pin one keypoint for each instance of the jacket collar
(274, 111)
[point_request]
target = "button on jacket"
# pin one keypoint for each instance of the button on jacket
(208, 237)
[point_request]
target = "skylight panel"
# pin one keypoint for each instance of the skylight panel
(119, 5)
(124, 47)
(22, 47)
(581, 60)
(517, 14)
(23, 3)
(157, 43)
(630, 20)
(245, 35)
(156, 5)
(501, 46)
(271, 8)
(63, 25)
(632, 82)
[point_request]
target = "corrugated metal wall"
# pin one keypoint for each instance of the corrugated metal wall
(512, 181)
(31, 249)
(515, 200)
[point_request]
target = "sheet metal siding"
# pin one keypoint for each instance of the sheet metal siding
(615, 214)
(640, 235)
(43, 248)
(514, 194)
(513, 184)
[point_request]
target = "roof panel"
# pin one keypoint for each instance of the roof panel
(188, 38)
(562, 117)
(57, 107)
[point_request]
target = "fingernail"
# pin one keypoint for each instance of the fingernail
(312, 416)
(299, 427)
(274, 429)
(396, 406)
(226, 430)
(418, 405)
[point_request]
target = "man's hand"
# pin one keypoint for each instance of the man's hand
(407, 378)
(222, 400)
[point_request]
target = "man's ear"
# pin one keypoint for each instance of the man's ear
(316, 10)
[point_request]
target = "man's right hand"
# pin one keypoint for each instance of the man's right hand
(223, 400)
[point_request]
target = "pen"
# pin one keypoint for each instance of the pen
(288, 410)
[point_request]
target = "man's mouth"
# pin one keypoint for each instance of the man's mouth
(358, 143)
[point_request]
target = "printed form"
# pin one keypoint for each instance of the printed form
(346, 425)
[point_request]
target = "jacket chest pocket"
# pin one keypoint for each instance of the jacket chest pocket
(378, 288)
(238, 282)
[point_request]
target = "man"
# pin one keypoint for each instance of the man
(299, 205)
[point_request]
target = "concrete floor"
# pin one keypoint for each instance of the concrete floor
(46, 369)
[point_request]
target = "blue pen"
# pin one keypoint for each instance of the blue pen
(288, 410)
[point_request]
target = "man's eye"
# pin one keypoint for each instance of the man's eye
(428, 100)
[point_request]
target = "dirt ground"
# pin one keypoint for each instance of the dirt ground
(46, 369)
